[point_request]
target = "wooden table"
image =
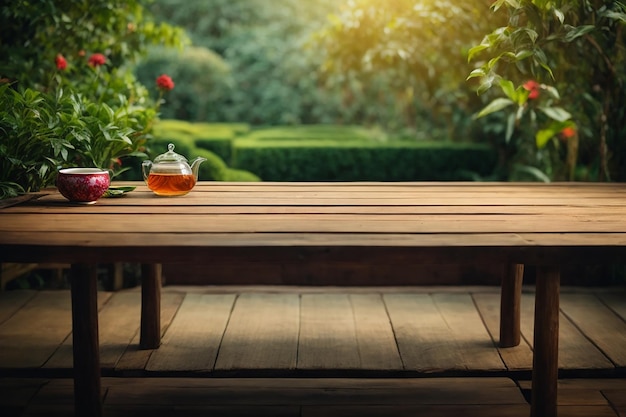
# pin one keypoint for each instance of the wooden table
(547, 225)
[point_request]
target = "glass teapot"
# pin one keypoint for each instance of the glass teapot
(170, 174)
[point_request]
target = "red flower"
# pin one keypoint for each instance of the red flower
(164, 82)
(568, 132)
(533, 87)
(60, 61)
(96, 60)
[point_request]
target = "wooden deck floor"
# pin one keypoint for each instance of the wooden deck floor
(416, 350)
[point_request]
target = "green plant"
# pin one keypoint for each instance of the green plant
(575, 51)
(322, 153)
(203, 81)
(414, 54)
(534, 113)
(41, 132)
(69, 97)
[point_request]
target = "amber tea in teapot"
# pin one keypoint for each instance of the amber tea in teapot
(170, 174)
(171, 184)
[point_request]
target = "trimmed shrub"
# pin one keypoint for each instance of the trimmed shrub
(215, 137)
(353, 160)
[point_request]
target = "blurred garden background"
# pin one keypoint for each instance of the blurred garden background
(292, 90)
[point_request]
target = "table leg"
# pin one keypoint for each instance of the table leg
(150, 335)
(510, 299)
(84, 292)
(546, 343)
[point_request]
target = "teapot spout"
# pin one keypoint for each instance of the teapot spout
(195, 164)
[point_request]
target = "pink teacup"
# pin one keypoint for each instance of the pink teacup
(83, 185)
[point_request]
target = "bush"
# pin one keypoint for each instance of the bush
(215, 137)
(321, 153)
(40, 133)
(353, 160)
(67, 96)
(202, 79)
(354, 153)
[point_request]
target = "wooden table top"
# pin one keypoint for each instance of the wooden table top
(434, 222)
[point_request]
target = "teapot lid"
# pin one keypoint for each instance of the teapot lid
(170, 156)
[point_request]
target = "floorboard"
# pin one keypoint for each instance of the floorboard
(192, 341)
(517, 358)
(262, 333)
(407, 338)
(235, 397)
(328, 338)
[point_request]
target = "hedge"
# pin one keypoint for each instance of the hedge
(319, 153)
(354, 160)
(215, 137)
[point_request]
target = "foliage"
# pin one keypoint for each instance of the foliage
(417, 50)
(68, 95)
(33, 33)
(321, 152)
(215, 137)
(274, 69)
(41, 132)
(203, 80)
(336, 153)
(574, 50)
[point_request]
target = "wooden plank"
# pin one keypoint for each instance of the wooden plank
(616, 301)
(468, 332)
(422, 333)
(118, 321)
(399, 187)
(575, 350)
(617, 397)
(376, 341)
(17, 392)
(440, 332)
(384, 197)
(422, 411)
(12, 301)
(426, 248)
(321, 209)
(302, 391)
(230, 410)
(428, 397)
(515, 358)
(310, 206)
(262, 333)
(328, 338)
(318, 223)
(192, 341)
(33, 333)
(600, 324)
(134, 359)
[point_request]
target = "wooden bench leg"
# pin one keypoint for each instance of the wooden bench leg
(84, 293)
(510, 299)
(150, 335)
(546, 343)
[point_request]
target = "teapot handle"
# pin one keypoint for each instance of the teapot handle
(145, 169)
